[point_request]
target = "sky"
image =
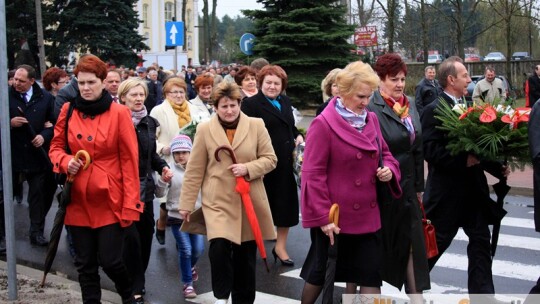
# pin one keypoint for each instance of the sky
(230, 7)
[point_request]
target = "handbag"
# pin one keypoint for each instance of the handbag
(61, 178)
(143, 181)
(430, 238)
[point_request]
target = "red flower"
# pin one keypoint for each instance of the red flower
(519, 115)
(489, 114)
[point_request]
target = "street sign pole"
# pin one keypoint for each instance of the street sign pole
(174, 36)
(5, 127)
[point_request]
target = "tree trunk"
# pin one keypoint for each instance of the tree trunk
(184, 3)
(213, 32)
(206, 29)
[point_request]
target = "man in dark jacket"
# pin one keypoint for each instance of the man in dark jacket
(532, 87)
(427, 89)
(31, 110)
(190, 81)
(457, 193)
(534, 146)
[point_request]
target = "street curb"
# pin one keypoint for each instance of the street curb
(520, 191)
(107, 296)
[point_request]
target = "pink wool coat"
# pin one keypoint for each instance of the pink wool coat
(340, 166)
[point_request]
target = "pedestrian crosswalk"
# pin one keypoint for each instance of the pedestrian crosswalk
(518, 239)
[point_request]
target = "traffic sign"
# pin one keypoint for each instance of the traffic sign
(174, 33)
(246, 43)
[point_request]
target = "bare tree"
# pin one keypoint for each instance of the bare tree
(366, 12)
(206, 31)
(184, 3)
(391, 12)
(507, 10)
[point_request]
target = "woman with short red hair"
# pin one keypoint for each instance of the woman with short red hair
(204, 85)
(54, 79)
(105, 197)
(402, 131)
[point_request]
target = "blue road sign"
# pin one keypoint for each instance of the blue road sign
(174, 33)
(246, 43)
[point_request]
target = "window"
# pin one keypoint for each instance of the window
(188, 21)
(189, 43)
(147, 38)
(169, 11)
(145, 15)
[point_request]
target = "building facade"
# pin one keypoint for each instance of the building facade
(153, 15)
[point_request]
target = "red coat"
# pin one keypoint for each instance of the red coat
(108, 191)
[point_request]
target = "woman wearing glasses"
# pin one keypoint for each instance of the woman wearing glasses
(173, 114)
(54, 79)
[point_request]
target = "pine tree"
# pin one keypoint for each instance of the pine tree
(307, 38)
(105, 28)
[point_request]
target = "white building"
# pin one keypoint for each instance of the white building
(154, 14)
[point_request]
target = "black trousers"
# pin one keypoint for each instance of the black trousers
(233, 270)
(480, 278)
(103, 247)
(41, 190)
(137, 247)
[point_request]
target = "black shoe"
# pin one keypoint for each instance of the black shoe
(18, 199)
(160, 235)
(287, 262)
(2, 246)
(38, 240)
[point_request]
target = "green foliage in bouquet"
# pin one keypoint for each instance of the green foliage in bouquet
(189, 129)
(491, 133)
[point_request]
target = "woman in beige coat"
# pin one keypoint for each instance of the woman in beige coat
(232, 249)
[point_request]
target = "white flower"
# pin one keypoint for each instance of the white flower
(504, 109)
(460, 108)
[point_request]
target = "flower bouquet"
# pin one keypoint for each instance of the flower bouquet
(491, 131)
(191, 127)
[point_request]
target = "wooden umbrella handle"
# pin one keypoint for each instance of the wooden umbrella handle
(87, 160)
(333, 216)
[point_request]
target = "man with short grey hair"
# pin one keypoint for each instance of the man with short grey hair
(490, 89)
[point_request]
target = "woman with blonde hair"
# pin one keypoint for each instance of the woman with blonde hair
(132, 93)
(329, 89)
(341, 165)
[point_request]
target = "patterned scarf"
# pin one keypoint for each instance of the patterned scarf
(136, 117)
(401, 108)
(357, 121)
(184, 117)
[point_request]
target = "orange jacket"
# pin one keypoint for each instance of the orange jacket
(108, 191)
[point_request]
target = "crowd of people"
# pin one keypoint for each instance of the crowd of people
(368, 137)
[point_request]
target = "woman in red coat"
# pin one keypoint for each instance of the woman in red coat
(105, 197)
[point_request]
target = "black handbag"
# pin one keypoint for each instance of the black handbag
(144, 180)
(61, 178)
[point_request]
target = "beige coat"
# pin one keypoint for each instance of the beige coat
(222, 206)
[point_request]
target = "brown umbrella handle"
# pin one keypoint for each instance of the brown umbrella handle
(87, 161)
(333, 216)
(229, 149)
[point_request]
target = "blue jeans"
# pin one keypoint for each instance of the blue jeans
(190, 248)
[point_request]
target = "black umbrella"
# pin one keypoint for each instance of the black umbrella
(64, 198)
(329, 278)
(501, 189)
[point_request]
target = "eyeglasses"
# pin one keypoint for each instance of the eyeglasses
(176, 92)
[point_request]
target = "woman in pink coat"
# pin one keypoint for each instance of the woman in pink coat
(341, 165)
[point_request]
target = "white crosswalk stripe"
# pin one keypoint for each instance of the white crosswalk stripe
(448, 261)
